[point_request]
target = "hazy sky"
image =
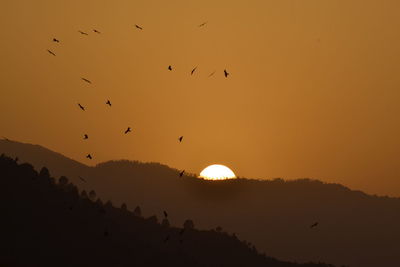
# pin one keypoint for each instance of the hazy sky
(314, 89)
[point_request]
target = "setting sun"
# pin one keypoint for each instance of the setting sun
(217, 172)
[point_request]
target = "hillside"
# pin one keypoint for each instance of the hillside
(354, 228)
(49, 223)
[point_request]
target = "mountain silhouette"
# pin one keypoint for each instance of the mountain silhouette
(354, 228)
(51, 223)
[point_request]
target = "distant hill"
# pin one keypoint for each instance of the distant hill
(50, 223)
(354, 228)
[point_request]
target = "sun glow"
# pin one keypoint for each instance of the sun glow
(217, 172)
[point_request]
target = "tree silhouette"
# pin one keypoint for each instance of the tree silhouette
(92, 195)
(165, 222)
(124, 207)
(63, 181)
(137, 211)
(188, 225)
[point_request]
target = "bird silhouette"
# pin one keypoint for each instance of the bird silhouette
(193, 70)
(85, 136)
(83, 33)
(96, 31)
(128, 130)
(166, 239)
(51, 52)
(83, 180)
(226, 73)
(169, 67)
(89, 156)
(180, 139)
(86, 80)
(138, 27)
(56, 40)
(212, 73)
(181, 173)
(82, 107)
(203, 24)
(108, 103)
(314, 225)
(165, 214)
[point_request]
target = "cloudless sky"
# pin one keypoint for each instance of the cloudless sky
(314, 89)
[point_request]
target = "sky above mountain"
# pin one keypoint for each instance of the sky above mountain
(313, 89)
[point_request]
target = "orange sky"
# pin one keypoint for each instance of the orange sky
(313, 92)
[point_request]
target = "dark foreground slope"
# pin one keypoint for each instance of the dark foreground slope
(45, 223)
(354, 228)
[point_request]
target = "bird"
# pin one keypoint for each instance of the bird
(83, 33)
(56, 40)
(51, 52)
(203, 24)
(181, 173)
(166, 239)
(96, 31)
(82, 107)
(193, 70)
(128, 130)
(212, 73)
(180, 139)
(86, 80)
(83, 180)
(165, 214)
(85, 136)
(89, 156)
(169, 67)
(108, 103)
(314, 225)
(138, 27)
(226, 74)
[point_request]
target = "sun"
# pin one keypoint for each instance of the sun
(217, 172)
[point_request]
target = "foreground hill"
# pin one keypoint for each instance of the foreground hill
(354, 228)
(45, 223)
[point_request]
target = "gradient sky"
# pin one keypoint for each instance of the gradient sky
(314, 89)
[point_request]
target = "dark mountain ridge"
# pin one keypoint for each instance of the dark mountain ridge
(354, 228)
(49, 223)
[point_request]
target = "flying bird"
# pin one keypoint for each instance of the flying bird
(181, 173)
(82, 107)
(83, 180)
(193, 70)
(89, 156)
(128, 130)
(226, 74)
(138, 27)
(165, 214)
(86, 80)
(108, 103)
(83, 33)
(203, 24)
(180, 139)
(96, 31)
(51, 52)
(314, 225)
(169, 67)
(212, 73)
(56, 40)
(85, 136)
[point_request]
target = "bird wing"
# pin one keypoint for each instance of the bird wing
(51, 52)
